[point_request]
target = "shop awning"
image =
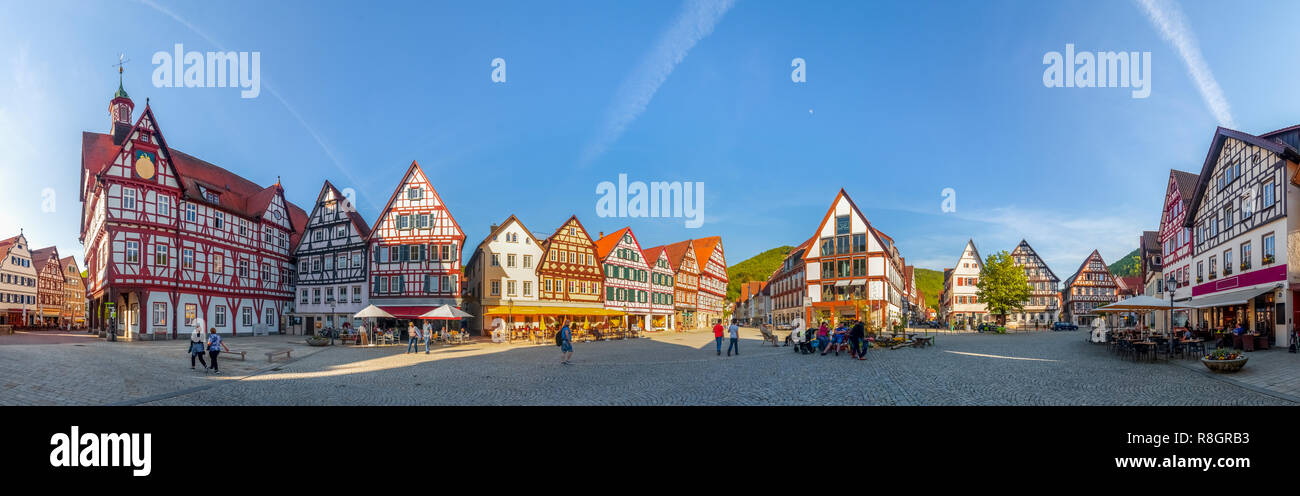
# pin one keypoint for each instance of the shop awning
(1228, 298)
(537, 310)
(408, 313)
(842, 282)
(859, 282)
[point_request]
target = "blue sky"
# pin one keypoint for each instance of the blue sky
(902, 100)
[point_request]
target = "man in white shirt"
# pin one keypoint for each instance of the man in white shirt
(796, 333)
(498, 330)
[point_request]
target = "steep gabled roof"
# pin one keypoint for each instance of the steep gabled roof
(236, 194)
(1150, 241)
(677, 253)
(1083, 264)
(970, 242)
(652, 254)
(606, 244)
(704, 249)
(65, 261)
(1186, 182)
(411, 170)
(42, 257)
(1034, 252)
(358, 222)
(6, 245)
(1221, 134)
(573, 218)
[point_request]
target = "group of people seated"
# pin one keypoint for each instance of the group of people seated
(848, 335)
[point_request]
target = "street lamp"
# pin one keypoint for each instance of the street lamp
(331, 302)
(1170, 284)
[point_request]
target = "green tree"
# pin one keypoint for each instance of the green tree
(1002, 286)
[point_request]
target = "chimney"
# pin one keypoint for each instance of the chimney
(602, 235)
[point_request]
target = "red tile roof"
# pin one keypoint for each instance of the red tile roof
(652, 254)
(704, 249)
(6, 245)
(677, 253)
(236, 194)
(606, 244)
(42, 256)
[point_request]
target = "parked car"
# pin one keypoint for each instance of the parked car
(1064, 326)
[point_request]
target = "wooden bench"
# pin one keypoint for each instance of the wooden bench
(270, 355)
(242, 354)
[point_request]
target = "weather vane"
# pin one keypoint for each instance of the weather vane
(121, 61)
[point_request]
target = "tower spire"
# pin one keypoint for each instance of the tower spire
(120, 107)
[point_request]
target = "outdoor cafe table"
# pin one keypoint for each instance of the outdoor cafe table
(1144, 344)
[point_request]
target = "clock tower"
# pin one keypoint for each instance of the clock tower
(119, 111)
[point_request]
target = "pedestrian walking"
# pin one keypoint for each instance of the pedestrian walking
(428, 334)
(197, 340)
(412, 337)
(856, 336)
(565, 339)
(215, 346)
(734, 333)
(717, 334)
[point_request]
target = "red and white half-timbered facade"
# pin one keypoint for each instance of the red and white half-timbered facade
(415, 249)
(713, 279)
(662, 286)
(853, 268)
(686, 283)
(49, 285)
(171, 239)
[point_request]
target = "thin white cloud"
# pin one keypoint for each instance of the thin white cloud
(1167, 17)
(694, 22)
(338, 164)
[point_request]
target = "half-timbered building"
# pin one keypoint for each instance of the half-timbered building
(1240, 222)
(332, 265)
(854, 271)
(74, 294)
(18, 282)
(415, 250)
(713, 279)
(627, 275)
(1176, 240)
(501, 277)
(571, 277)
(686, 283)
(1044, 304)
(170, 238)
(1090, 287)
(662, 289)
(49, 285)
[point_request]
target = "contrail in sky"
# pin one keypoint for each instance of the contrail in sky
(694, 22)
(1167, 17)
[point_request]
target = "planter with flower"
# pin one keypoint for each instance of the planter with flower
(1224, 360)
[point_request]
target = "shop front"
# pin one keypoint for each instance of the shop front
(1258, 310)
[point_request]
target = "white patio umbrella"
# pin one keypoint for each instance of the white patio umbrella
(372, 312)
(446, 312)
(1141, 302)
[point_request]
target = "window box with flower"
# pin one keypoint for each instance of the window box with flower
(1268, 259)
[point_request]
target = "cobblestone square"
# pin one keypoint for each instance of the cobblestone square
(1038, 368)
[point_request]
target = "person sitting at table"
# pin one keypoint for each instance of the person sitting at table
(1238, 330)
